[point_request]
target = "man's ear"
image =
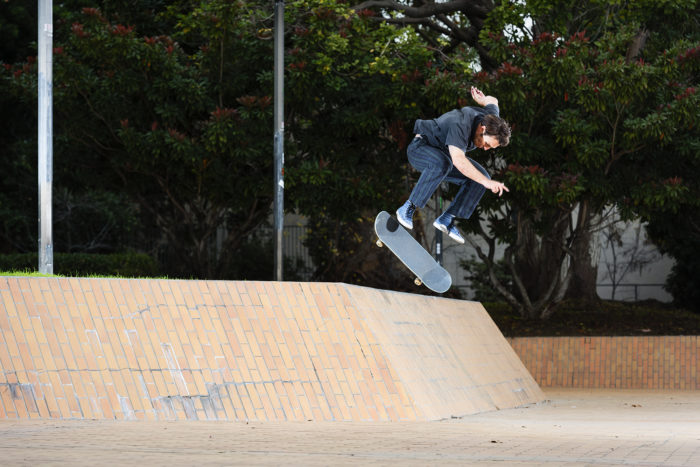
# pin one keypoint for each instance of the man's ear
(481, 130)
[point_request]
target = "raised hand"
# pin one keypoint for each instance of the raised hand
(482, 99)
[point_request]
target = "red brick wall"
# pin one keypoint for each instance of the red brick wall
(635, 362)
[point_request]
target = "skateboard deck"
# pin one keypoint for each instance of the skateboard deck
(411, 253)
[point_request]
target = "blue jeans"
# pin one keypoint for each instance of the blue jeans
(436, 166)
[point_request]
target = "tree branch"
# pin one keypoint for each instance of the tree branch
(469, 7)
(476, 12)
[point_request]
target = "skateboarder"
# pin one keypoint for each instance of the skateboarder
(438, 152)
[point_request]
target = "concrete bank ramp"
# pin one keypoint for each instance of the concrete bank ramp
(134, 349)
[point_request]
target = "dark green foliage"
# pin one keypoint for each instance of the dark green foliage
(18, 185)
(163, 130)
(682, 283)
(18, 22)
(95, 222)
(479, 281)
(603, 103)
(575, 318)
(352, 98)
(182, 147)
(678, 235)
(85, 264)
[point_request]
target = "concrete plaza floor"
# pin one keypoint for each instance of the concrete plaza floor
(573, 427)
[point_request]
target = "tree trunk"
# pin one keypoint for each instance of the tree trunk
(584, 267)
(537, 259)
(537, 264)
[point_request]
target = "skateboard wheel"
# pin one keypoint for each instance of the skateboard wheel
(379, 243)
(417, 281)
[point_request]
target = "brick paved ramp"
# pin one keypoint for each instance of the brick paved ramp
(130, 349)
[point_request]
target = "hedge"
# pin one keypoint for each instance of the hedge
(86, 264)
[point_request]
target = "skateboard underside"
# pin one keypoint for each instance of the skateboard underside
(411, 253)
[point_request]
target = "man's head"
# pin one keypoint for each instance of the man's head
(492, 133)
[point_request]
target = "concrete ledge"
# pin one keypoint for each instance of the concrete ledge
(130, 349)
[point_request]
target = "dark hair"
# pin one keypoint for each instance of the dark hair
(498, 128)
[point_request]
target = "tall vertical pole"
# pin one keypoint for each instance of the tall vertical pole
(438, 233)
(45, 145)
(279, 136)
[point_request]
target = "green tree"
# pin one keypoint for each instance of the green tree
(595, 97)
(17, 30)
(180, 123)
(142, 116)
(355, 86)
(582, 83)
(678, 235)
(17, 128)
(445, 26)
(86, 217)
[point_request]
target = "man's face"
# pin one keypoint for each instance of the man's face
(485, 142)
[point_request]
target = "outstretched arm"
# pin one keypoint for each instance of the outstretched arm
(462, 163)
(481, 99)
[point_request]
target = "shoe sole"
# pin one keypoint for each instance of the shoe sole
(401, 221)
(458, 240)
(443, 229)
(440, 227)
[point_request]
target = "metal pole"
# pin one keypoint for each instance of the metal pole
(279, 136)
(45, 124)
(438, 233)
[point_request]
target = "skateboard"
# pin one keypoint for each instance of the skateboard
(411, 253)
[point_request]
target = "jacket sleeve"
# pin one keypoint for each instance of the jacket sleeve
(492, 109)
